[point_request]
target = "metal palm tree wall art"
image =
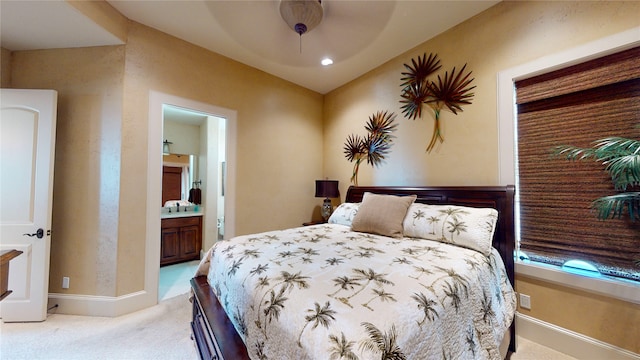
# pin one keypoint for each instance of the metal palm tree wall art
(447, 93)
(374, 146)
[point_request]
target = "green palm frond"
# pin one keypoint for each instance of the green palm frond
(621, 158)
(613, 206)
(420, 70)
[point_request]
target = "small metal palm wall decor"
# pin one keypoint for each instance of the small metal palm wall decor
(447, 93)
(374, 146)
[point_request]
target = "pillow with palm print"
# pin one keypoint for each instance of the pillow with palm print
(344, 214)
(468, 227)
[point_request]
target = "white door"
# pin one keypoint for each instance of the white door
(27, 144)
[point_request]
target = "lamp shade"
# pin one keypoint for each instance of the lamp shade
(301, 15)
(327, 188)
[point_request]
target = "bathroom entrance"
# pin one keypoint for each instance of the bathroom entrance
(198, 141)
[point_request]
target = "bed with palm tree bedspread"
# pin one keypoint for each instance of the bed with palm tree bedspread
(397, 273)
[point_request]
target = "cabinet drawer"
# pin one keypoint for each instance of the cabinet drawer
(179, 222)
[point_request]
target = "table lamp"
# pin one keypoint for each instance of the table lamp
(327, 189)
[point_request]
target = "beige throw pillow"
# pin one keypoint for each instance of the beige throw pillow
(382, 214)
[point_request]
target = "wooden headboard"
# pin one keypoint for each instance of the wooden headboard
(500, 198)
(497, 197)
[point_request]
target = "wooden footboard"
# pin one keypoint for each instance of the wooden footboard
(213, 332)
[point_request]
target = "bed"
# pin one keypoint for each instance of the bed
(348, 289)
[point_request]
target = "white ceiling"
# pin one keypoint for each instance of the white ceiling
(358, 35)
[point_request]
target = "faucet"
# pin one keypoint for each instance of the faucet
(177, 207)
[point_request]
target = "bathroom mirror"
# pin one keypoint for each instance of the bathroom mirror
(179, 172)
(183, 130)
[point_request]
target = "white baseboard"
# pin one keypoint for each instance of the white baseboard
(109, 306)
(568, 342)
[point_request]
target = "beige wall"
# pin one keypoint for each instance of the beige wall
(279, 144)
(504, 36)
(102, 129)
(612, 321)
(98, 236)
(87, 164)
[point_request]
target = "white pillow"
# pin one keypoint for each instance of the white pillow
(468, 227)
(344, 214)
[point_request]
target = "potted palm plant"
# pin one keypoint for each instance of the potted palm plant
(621, 158)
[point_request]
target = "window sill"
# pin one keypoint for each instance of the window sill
(620, 289)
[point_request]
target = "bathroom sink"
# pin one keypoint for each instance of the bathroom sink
(182, 213)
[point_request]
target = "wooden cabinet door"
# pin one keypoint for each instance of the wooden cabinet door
(190, 242)
(170, 247)
(181, 239)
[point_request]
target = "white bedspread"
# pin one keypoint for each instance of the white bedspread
(324, 292)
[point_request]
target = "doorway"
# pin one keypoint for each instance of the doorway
(219, 122)
(194, 146)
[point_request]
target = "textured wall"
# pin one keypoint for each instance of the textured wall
(101, 153)
(279, 129)
(87, 164)
(610, 320)
(103, 125)
(504, 36)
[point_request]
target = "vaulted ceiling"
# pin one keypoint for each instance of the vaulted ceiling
(358, 35)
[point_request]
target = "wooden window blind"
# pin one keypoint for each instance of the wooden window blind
(576, 106)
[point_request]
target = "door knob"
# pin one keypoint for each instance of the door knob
(39, 234)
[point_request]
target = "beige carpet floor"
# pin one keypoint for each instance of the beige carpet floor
(160, 332)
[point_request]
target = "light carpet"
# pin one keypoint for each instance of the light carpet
(159, 332)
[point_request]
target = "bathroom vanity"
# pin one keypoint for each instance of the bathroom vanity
(181, 238)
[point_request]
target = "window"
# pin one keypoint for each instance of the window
(576, 105)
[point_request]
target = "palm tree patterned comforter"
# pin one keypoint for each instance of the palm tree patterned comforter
(325, 292)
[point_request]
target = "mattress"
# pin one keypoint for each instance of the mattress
(327, 292)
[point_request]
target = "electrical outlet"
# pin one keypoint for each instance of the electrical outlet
(525, 301)
(65, 282)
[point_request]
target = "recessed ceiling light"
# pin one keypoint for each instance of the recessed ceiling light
(326, 62)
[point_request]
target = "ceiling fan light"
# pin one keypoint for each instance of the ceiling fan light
(301, 15)
(300, 28)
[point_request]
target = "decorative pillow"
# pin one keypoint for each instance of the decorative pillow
(382, 214)
(468, 227)
(344, 214)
